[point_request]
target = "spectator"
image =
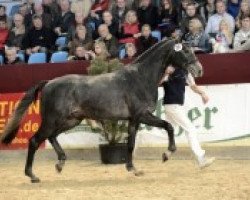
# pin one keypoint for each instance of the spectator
(30, 5)
(38, 10)
(39, 38)
(213, 22)
(52, 8)
(98, 7)
(11, 57)
(242, 37)
(100, 50)
(81, 53)
(148, 14)
(109, 40)
(17, 32)
(196, 37)
(167, 18)
(119, 11)
(146, 40)
(208, 9)
(111, 23)
(130, 4)
(191, 13)
(130, 51)
(233, 7)
(182, 9)
(65, 19)
(3, 12)
(244, 10)
(79, 20)
(82, 6)
(223, 38)
(4, 32)
(130, 30)
(23, 10)
(82, 38)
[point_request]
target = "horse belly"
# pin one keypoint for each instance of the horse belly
(106, 108)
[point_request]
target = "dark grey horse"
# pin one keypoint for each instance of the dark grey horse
(127, 94)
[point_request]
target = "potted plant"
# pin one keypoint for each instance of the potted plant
(114, 133)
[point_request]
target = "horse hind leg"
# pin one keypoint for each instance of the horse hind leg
(34, 143)
(132, 130)
(60, 153)
(65, 125)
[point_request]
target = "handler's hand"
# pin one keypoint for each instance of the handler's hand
(205, 98)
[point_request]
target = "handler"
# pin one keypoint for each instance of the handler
(174, 82)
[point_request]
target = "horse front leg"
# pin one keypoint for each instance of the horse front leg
(132, 130)
(60, 153)
(151, 120)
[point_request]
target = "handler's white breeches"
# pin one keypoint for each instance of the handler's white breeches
(175, 115)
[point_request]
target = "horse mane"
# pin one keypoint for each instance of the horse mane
(149, 51)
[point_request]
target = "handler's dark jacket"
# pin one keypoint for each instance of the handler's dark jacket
(174, 88)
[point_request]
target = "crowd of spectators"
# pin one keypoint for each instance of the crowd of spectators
(112, 26)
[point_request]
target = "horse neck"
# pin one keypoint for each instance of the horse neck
(151, 66)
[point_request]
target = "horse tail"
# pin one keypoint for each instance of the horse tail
(13, 123)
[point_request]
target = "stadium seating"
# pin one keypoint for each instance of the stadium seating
(14, 9)
(156, 34)
(122, 53)
(61, 43)
(1, 59)
(37, 58)
(59, 56)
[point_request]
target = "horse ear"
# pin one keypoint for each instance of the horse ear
(178, 40)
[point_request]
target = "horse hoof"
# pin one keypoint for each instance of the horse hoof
(164, 157)
(58, 168)
(35, 180)
(138, 173)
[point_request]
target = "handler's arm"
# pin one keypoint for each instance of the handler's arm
(197, 89)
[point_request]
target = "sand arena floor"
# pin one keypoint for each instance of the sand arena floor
(175, 180)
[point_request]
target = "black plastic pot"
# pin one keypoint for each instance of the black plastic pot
(113, 154)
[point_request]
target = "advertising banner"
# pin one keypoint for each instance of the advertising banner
(30, 122)
(225, 117)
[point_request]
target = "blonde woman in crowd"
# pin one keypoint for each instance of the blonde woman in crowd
(223, 39)
(100, 50)
(81, 6)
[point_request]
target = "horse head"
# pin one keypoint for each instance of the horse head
(183, 56)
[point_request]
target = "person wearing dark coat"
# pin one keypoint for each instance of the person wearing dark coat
(39, 38)
(110, 41)
(146, 40)
(65, 19)
(148, 14)
(11, 57)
